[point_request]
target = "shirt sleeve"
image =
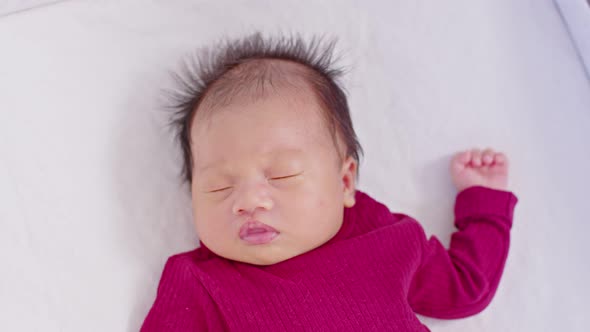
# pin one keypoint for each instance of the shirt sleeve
(182, 302)
(462, 280)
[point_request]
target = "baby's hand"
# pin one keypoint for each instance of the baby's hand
(476, 168)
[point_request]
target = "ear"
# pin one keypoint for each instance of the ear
(348, 176)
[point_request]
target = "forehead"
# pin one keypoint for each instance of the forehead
(289, 123)
(278, 154)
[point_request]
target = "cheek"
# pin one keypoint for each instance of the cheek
(316, 206)
(203, 216)
(321, 203)
(320, 192)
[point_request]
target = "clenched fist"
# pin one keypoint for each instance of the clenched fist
(480, 168)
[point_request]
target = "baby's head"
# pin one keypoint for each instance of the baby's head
(267, 141)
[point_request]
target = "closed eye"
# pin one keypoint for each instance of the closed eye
(219, 190)
(286, 176)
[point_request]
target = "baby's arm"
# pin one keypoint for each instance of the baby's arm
(182, 303)
(461, 281)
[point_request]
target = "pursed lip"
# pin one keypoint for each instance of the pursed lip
(255, 226)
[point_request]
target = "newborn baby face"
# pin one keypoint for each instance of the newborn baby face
(270, 164)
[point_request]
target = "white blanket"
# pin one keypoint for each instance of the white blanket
(576, 14)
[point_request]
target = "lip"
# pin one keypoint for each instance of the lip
(256, 232)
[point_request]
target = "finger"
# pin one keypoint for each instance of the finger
(460, 160)
(488, 156)
(500, 158)
(476, 157)
(464, 157)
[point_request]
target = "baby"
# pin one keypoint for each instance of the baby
(287, 241)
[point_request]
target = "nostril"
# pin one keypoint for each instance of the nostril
(240, 210)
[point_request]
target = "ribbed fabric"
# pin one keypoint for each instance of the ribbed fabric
(373, 275)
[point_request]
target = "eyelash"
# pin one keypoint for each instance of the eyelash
(284, 177)
(219, 190)
(275, 178)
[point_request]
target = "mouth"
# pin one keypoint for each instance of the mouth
(255, 232)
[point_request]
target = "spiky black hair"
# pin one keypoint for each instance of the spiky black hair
(230, 67)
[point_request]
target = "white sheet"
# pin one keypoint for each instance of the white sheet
(90, 205)
(576, 14)
(8, 7)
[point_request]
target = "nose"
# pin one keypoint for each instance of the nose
(251, 198)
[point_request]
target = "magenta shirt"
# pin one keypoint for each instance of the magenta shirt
(375, 274)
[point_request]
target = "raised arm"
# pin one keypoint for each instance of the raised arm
(462, 280)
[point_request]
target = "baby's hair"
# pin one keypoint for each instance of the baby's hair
(231, 68)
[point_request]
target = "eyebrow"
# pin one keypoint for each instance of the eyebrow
(279, 151)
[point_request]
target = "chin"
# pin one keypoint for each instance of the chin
(265, 260)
